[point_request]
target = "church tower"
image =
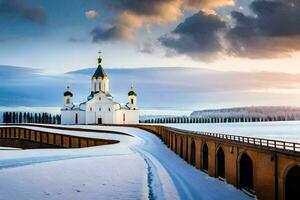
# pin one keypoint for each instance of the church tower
(132, 100)
(68, 98)
(100, 81)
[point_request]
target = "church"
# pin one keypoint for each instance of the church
(100, 107)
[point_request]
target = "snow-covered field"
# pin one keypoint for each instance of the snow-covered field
(285, 130)
(139, 167)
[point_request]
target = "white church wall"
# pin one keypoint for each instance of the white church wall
(69, 117)
(127, 117)
(100, 107)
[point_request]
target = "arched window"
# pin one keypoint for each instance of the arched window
(76, 118)
(68, 101)
(131, 101)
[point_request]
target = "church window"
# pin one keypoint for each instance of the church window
(99, 86)
(99, 109)
(131, 101)
(68, 101)
(123, 117)
(109, 109)
(91, 109)
(99, 98)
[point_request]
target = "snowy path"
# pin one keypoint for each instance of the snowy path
(139, 167)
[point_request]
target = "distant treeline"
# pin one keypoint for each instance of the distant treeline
(176, 120)
(234, 115)
(26, 117)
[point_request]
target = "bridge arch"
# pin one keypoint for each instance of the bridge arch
(205, 157)
(193, 151)
(292, 182)
(220, 162)
(245, 172)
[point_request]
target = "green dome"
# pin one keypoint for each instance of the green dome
(131, 93)
(68, 93)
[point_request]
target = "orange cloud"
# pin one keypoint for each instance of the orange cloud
(138, 14)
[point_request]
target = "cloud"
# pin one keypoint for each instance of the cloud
(196, 5)
(198, 36)
(76, 39)
(112, 33)
(147, 47)
(90, 14)
(274, 31)
(131, 15)
(176, 87)
(18, 8)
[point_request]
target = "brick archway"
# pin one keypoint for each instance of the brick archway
(205, 157)
(246, 180)
(292, 183)
(193, 151)
(220, 163)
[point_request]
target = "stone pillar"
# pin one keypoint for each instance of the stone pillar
(211, 158)
(198, 145)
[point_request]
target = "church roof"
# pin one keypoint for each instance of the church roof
(99, 72)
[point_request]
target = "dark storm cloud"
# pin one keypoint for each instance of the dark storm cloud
(20, 9)
(197, 36)
(102, 34)
(274, 31)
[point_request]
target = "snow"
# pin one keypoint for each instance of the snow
(283, 130)
(139, 167)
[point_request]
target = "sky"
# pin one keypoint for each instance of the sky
(237, 35)
(250, 47)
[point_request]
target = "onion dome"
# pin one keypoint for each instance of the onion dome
(132, 92)
(68, 93)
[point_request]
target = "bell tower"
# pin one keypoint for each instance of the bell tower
(100, 81)
(68, 98)
(132, 98)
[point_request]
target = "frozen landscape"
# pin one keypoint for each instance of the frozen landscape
(282, 130)
(139, 167)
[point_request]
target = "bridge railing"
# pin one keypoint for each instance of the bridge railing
(261, 142)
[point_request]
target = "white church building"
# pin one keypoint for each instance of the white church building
(100, 108)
